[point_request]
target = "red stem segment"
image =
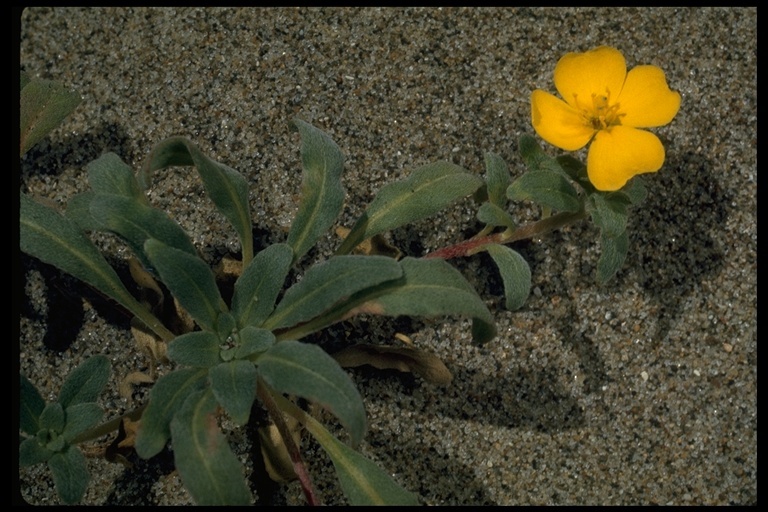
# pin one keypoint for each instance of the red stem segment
(265, 394)
(475, 245)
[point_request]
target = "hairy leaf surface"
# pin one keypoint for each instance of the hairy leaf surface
(322, 195)
(425, 192)
(210, 471)
(227, 188)
(308, 371)
(327, 283)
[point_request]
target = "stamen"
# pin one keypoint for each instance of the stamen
(602, 115)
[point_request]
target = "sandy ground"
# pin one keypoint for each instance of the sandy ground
(642, 391)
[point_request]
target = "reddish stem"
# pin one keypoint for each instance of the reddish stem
(475, 245)
(265, 394)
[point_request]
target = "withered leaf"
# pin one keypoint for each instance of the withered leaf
(185, 322)
(277, 460)
(376, 245)
(147, 283)
(126, 385)
(228, 267)
(405, 359)
(122, 446)
(147, 341)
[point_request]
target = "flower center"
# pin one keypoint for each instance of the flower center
(600, 115)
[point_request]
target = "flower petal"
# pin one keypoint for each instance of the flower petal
(580, 75)
(646, 99)
(558, 123)
(618, 154)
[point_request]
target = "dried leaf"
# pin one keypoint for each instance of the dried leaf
(147, 283)
(178, 320)
(405, 359)
(277, 461)
(376, 245)
(130, 429)
(185, 321)
(150, 344)
(126, 385)
(405, 339)
(228, 267)
(122, 446)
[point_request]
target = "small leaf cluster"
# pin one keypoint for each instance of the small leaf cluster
(52, 429)
(556, 184)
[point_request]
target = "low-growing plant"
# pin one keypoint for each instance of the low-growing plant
(249, 347)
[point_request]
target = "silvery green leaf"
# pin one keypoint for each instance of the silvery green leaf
(322, 195)
(612, 256)
(226, 187)
(308, 371)
(515, 274)
(258, 286)
(165, 399)
(190, 280)
(327, 283)
(426, 191)
(210, 471)
(547, 188)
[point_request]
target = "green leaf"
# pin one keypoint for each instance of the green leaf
(199, 349)
(190, 280)
(533, 156)
(225, 327)
(253, 341)
(327, 283)
(322, 195)
(547, 188)
(492, 215)
(81, 417)
(634, 191)
(165, 398)
(137, 222)
(43, 105)
(432, 287)
(70, 474)
(425, 192)
(234, 386)
(53, 417)
(210, 471)
(308, 371)
(108, 174)
(577, 171)
(53, 239)
(515, 274)
(31, 405)
(609, 213)
(363, 482)
(79, 211)
(24, 79)
(614, 252)
(227, 188)
(31, 452)
(497, 179)
(258, 286)
(84, 383)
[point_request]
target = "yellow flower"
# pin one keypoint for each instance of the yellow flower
(605, 104)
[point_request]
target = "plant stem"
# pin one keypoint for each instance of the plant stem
(478, 244)
(153, 323)
(109, 426)
(275, 412)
